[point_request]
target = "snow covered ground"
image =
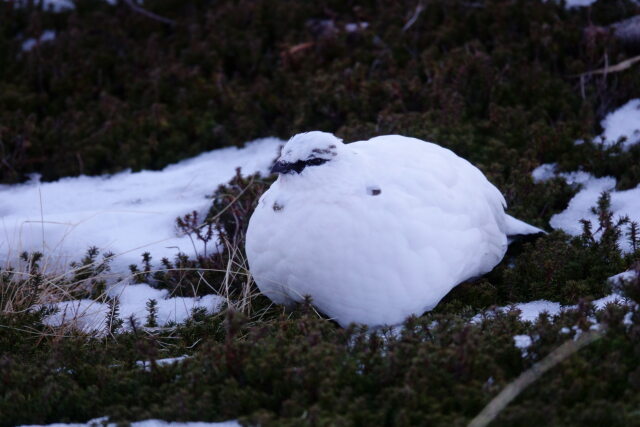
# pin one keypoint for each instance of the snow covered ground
(90, 316)
(578, 3)
(569, 4)
(53, 5)
(621, 123)
(623, 203)
(530, 311)
(148, 423)
(127, 213)
(30, 43)
(146, 365)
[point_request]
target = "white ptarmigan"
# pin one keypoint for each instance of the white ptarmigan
(377, 230)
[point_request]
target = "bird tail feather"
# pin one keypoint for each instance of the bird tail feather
(514, 227)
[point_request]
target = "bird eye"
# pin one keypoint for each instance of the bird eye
(315, 161)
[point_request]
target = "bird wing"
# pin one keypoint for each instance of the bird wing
(453, 208)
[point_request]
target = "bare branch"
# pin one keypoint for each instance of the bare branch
(512, 390)
(148, 14)
(621, 66)
(413, 18)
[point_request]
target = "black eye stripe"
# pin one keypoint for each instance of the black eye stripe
(316, 161)
(297, 167)
(301, 164)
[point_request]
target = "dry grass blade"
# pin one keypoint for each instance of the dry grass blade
(511, 391)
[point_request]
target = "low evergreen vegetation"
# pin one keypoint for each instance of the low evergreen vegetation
(503, 83)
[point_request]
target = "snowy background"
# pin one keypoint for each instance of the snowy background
(127, 214)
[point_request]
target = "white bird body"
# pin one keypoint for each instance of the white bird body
(374, 231)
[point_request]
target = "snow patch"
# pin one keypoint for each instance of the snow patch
(578, 3)
(146, 364)
(58, 5)
(30, 43)
(353, 27)
(159, 423)
(529, 311)
(623, 203)
(147, 423)
(127, 213)
(90, 316)
(625, 276)
(51, 5)
(601, 303)
(522, 342)
(544, 172)
(581, 178)
(547, 171)
(85, 315)
(627, 321)
(622, 123)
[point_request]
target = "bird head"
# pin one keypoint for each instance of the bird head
(306, 150)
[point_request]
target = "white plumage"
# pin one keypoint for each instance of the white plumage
(377, 230)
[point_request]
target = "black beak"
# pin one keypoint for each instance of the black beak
(281, 167)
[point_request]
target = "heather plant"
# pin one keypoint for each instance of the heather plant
(555, 267)
(33, 281)
(302, 369)
(140, 93)
(221, 268)
(90, 272)
(113, 321)
(152, 314)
